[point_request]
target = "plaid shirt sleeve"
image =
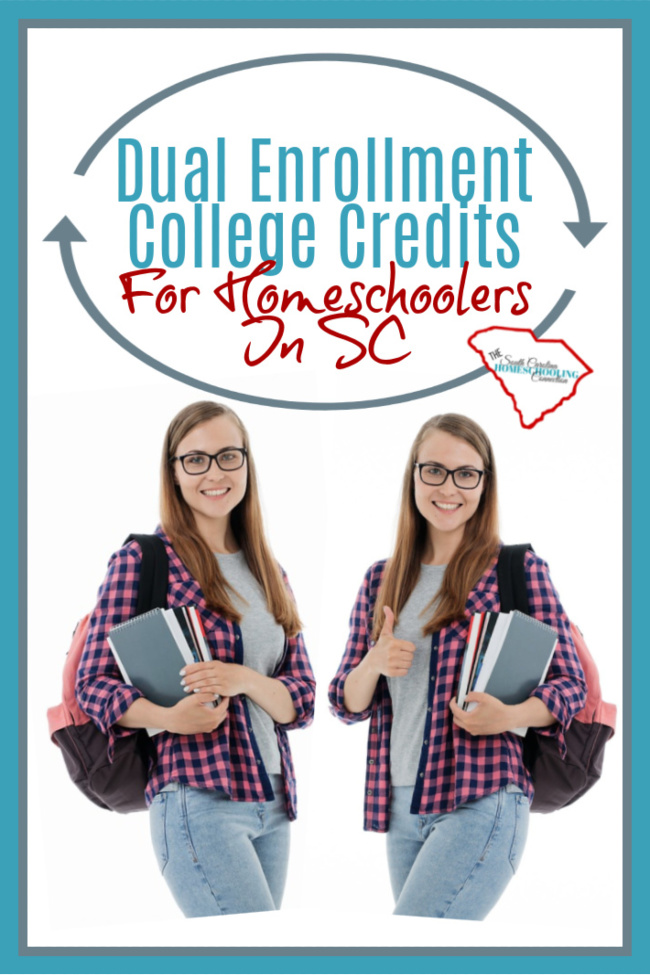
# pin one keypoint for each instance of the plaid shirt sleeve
(100, 689)
(296, 674)
(357, 645)
(564, 691)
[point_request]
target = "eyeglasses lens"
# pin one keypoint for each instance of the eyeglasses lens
(230, 460)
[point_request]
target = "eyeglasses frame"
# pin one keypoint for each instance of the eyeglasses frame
(447, 473)
(212, 457)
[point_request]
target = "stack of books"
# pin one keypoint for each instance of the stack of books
(152, 649)
(507, 655)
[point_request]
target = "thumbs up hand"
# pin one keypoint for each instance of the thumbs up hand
(389, 622)
(390, 656)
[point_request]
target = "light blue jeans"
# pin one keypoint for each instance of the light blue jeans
(455, 864)
(220, 856)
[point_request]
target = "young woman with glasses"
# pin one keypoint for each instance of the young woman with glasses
(449, 786)
(221, 791)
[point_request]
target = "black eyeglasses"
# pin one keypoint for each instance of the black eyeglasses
(465, 478)
(228, 459)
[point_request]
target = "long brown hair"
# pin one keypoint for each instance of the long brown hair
(478, 547)
(178, 523)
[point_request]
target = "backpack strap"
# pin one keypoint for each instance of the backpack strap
(511, 578)
(154, 572)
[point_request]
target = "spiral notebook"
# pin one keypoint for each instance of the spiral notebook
(150, 651)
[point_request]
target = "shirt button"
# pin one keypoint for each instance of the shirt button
(421, 775)
(432, 677)
(429, 710)
(371, 761)
(435, 646)
(369, 792)
(426, 741)
(238, 638)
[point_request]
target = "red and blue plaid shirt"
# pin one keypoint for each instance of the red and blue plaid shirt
(456, 767)
(227, 758)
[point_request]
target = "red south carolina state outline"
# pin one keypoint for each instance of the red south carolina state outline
(500, 328)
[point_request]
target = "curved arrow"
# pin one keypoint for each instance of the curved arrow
(65, 234)
(584, 229)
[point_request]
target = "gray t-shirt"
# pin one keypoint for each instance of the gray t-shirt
(263, 640)
(409, 693)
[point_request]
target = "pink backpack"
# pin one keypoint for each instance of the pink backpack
(118, 784)
(560, 781)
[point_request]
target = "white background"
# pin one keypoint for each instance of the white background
(96, 421)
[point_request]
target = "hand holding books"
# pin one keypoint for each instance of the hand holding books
(191, 716)
(490, 716)
(215, 676)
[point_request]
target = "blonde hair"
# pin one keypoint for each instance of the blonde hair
(179, 525)
(478, 547)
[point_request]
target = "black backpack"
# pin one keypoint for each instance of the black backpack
(559, 781)
(118, 785)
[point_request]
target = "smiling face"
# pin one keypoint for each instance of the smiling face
(214, 495)
(446, 508)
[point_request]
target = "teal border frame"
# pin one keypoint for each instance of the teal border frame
(486, 13)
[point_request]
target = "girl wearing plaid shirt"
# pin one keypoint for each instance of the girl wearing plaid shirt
(221, 791)
(448, 786)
